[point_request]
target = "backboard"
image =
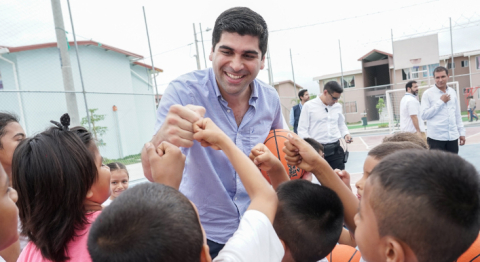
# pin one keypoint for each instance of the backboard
(416, 51)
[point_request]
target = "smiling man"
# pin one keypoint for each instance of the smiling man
(245, 108)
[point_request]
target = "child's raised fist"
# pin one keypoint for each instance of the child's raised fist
(264, 159)
(208, 134)
(167, 163)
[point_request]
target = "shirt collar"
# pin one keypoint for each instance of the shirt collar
(410, 94)
(446, 89)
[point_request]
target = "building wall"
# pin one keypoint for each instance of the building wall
(103, 71)
(287, 94)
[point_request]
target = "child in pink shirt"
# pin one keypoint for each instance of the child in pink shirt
(61, 183)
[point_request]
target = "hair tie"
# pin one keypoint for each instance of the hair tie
(64, 122)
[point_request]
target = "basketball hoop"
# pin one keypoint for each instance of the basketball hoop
(415, 61)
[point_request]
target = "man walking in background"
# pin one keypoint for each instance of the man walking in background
(295, 111)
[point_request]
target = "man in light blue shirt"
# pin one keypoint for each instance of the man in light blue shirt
(441, 109)
(297, 109)
(245, 108)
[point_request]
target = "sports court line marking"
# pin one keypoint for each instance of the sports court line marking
(364, 143)
(472, 135)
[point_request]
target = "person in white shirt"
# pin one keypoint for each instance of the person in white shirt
(441, 110)
(297, 109)
(410, 117)
(322, 119)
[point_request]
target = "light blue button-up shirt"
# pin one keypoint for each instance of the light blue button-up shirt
(444, 120)
(209, 179)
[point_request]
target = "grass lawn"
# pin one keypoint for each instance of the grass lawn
(128, 160)
(369, 125)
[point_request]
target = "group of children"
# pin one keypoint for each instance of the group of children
(412, 204)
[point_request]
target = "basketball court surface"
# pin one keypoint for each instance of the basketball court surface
(362, 143)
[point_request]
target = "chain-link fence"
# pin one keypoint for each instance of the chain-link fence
(40, 80)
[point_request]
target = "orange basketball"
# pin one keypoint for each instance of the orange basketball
(344, 253)
(275, 143)
(472, 254)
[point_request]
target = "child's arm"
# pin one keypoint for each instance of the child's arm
(300, 153)
(347, 239)
(344, 176)
(166, 163)
(266, 161)
(263, 197)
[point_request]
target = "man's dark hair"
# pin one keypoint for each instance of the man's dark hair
(440, 69)
(156, 222)
(406, 137)
(333, 87)
(5, 119)
(410, 84)
(309, 219)
(243, 21)
(301, 93)
(388, 148)
(315, 144)
(429, 200)
(52, 173)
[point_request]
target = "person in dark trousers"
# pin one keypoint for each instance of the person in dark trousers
(322, 119)
(441, 109)
(295, 111)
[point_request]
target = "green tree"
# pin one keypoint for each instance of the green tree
(380, 106)
(98, 131)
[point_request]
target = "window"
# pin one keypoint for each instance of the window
(477, 59)
(351, 107)
(449, 65)
(430, 69)
(1, 82)
(328, 80)
(348, 81)
(410, 73)
(465, 63)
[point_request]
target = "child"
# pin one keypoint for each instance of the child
(8, 212)
(319, 148)
(310, 223)
(406, 136)
(419, 205)
(376, 154)
(177, 226)
(61, 183)
(11, 134)
(118, 181)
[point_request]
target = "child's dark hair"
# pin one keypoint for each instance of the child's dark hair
(429, 200)
(309, 219)
(159, 224)
(406, 137)
(5, 119)
(315, 144)
(52, 173)
(117, 166)
(388, 148)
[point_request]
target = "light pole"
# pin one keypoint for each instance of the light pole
(203, 46)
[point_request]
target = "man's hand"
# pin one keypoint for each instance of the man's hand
(209, 134)
(178, 126)
(462, 140)
(166, 163)
(348, 138)
(264, 159)
(445, 98)
(300, 153)
(344, 176)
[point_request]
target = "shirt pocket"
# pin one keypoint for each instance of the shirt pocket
(257, 134)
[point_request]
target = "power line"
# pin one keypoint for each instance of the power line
(349, 18)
